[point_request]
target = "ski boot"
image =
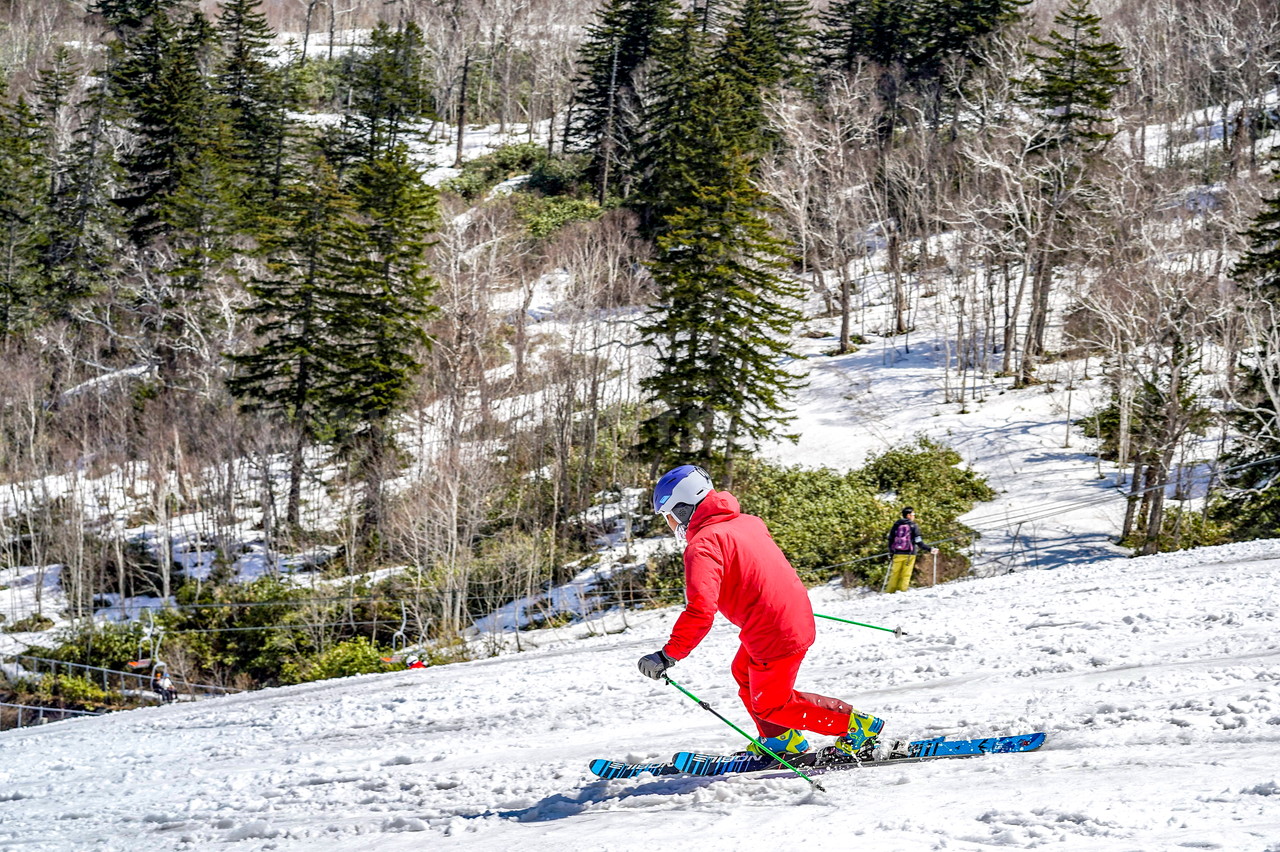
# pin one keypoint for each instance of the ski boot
(860, 742)
(789, 741)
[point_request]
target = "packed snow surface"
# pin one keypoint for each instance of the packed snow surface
(1157, 681)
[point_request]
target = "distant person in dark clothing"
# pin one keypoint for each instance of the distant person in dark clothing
(905, 542)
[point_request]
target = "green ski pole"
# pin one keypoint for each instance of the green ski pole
(896, 631)
(770, 751)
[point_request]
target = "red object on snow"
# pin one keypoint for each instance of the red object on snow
(768, 692)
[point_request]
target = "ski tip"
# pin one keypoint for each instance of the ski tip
(599, 766)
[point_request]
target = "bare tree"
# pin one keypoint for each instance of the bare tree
(820, 177)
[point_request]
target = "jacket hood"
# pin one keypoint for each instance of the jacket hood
(716, 507)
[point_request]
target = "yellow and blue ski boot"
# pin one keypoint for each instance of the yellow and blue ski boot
(789, 741)
(860, 742)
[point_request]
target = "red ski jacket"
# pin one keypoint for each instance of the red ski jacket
(733, 566)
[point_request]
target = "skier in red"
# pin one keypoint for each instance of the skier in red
(733, 566)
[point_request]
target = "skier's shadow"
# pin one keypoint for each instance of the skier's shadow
(563, 806)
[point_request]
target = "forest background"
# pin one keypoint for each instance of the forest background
(260, 308)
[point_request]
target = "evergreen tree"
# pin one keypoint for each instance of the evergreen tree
(957, 27)
(886, 33)
(1254, 465)
(911, 43)
(54, 87)
(670, 152)
(170, 108)
(766, 43)
(205, 211)
(1072, 89)
(1077, 78)
(916, 35)
(339, 316)
(607, 109)
(255, 93)
(22, 216)
(387, 297)
(388, 93)
(53, 90)
(765, 46)
(723, 311)
(687, 129)
(130, 14)
(1259, 267)
(881, 31)
(309, 245)
(82, 222)
(178, 184)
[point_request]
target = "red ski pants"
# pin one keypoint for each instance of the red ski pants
(768, 691)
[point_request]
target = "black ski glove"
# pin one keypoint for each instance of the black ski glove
(655, 665)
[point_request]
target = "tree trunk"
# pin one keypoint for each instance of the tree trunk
(899, 286)
(333, 28)
(846, 297)
(462, 107)
(1159, 475)
(607, 143)
(1131, 501)
(1033, 343)
(293, 507)
(372, 461)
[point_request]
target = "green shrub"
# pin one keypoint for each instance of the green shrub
(254, 639)
(31, 624)
(542, 216)
(352, 657)
(551, 176)
(1183, 529)
(828, 523)
(109, 645)
(559, 175)
(71, 689)
(314, 83)
(1103, 426)
(925, 476)
(821, 519)
(482, 173)
(1248, 515)
(470, 185)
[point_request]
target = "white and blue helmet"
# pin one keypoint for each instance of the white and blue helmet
(679, 492)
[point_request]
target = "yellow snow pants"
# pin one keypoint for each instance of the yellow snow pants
(900, 576)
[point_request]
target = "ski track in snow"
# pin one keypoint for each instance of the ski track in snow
(1157, 680)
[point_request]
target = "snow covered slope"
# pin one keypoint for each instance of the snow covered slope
(1157, 680)
(1056, 504)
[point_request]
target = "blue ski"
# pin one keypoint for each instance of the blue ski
(831, 758)
(941, 747)
(618, 769)
(824, 759)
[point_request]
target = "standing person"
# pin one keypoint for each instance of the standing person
(733, 566)
(905, 542)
